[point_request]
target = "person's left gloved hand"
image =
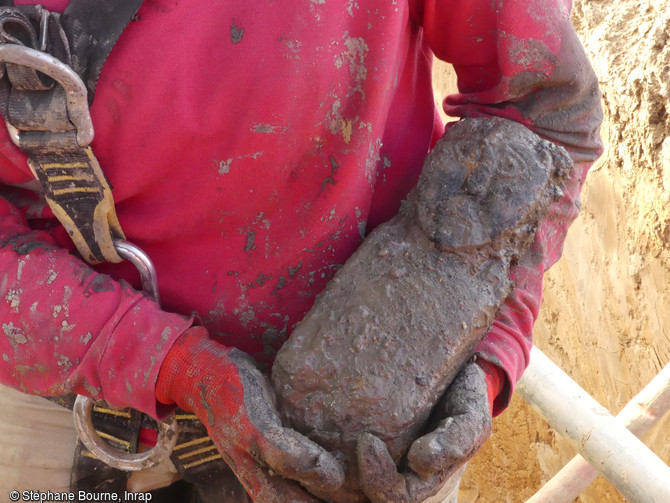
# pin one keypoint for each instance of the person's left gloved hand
(464, 424)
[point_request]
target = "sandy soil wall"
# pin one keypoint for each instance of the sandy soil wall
(606, 312)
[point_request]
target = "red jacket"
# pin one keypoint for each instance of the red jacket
(250, 147)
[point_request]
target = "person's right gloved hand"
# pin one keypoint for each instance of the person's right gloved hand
(230, 396)
(462, 423)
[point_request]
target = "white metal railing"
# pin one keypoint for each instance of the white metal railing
(602, 440)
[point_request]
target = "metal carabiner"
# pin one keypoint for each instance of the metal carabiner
(75, 90)
(167, 430)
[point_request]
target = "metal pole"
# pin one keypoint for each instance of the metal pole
(605, 443)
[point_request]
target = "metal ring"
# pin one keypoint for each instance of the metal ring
(167, 438)
(144, 265)
(167, 431)
(75, 91)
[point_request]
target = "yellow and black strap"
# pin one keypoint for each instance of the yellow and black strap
(198, 462)
(80, 197)
(118, 427)
(40, 110)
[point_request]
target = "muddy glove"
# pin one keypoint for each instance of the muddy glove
(230, 396)
(463, 418)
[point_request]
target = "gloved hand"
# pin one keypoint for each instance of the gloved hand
(230, 396)
(463, 418)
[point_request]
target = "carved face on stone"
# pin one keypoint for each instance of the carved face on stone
(502, 174)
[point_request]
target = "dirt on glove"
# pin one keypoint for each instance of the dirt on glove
(397, 322)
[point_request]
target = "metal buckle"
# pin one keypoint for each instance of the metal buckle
(167, 431)
(75, 90)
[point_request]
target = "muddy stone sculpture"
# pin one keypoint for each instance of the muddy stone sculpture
(397, 322)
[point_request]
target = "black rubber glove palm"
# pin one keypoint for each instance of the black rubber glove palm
(463, 424)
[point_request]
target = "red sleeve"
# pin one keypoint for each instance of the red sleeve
(66, 328)
(521, 60)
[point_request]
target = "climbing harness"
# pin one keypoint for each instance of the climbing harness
(48, 84)
(55, 130)
(50, 65)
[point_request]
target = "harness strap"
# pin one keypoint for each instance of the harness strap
(80, 197)
(93, 27)
(43, 116)
(195, 456)
(45, 105)
(198, 462)
(121, 430)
